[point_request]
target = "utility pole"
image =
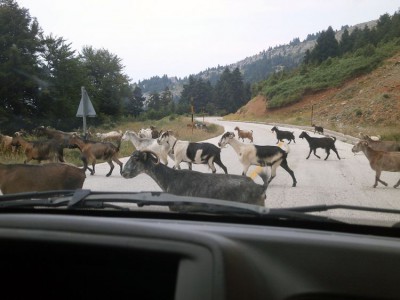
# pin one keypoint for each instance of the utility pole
(312, 114)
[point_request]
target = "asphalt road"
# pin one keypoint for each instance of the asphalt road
(346, 181)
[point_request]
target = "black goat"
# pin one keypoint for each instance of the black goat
(281, 135)
(318, 129)
(195, 184)
(328, 143)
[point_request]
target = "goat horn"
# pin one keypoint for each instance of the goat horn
(154, 154)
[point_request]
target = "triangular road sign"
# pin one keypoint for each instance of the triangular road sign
(85, 106)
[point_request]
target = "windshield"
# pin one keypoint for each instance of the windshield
(277, 105)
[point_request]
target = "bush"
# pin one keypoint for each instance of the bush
(331, 73)
(358, 112)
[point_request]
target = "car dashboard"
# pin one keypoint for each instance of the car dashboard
(64, 256)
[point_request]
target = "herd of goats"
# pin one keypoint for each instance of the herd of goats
(151, 157)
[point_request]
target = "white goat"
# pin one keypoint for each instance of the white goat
(250, 154)
(110, 136)
(145, 133)
(190, 152)
(147, 144)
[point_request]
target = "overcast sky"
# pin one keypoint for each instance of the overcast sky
(183, 37)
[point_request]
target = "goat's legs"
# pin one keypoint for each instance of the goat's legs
(315, 154)
(285, 166)
(111, 168)
(327, 153)
(177, 163)
(210, 163)
(264, 176)
(377, 179)
(397, 184)
(273, 171)
(117, 161)
(337, 154)
(245, 169)
(218, 161)
(86, 165)
(309, 154)
(60, 155)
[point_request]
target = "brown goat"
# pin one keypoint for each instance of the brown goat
(381, 145)
(242, 134)
(97, 150)
(61, 136)
(20, 178)
(39, 150)
(154, 132)
(5, 141)
(379, 161)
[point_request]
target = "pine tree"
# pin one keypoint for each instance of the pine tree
(135, 103)
(327, 46)
(166, 99)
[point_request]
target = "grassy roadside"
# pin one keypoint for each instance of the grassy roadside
(387, 132)
(178, 124)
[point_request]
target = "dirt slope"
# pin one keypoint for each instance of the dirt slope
(369, 103)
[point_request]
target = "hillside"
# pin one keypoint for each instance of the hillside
(253, 68)
(369, 103)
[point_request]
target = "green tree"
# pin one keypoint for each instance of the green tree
(64, 75)
(107, 81)
(223, 94)
(230, 91)
(154, 101)
(346, 43)
(327, 46)
(19, 73)
(166, 99)
(198, 93)
(383, 27)
(135, 102)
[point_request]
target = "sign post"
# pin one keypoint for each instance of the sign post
(312, 114)
(85, 109)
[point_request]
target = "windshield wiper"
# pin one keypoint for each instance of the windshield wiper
(52, 199)
(324, 207)
(81, 199)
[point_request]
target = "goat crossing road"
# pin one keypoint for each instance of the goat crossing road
(347, 181)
